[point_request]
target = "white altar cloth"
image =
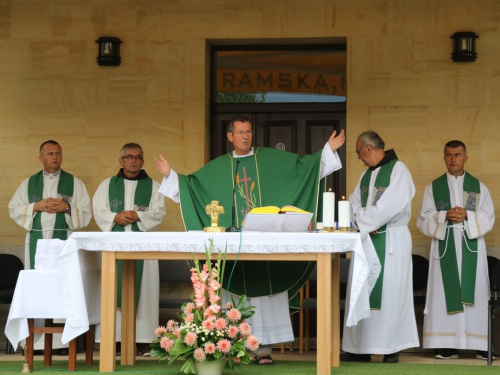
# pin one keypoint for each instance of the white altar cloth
(74, 292)
(366, 266)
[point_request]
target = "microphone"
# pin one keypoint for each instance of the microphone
(233, 228)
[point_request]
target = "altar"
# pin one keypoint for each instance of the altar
(320, 247)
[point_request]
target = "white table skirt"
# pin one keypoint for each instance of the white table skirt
(365, 268)
(57, 294)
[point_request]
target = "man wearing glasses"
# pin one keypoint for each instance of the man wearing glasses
(260, 176)
(128, 202)
(381, 207)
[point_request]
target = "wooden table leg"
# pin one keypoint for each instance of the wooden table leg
(108, 312)
(128, 312)
(324, 344)
(335, 310)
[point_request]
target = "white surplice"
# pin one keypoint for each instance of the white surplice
(21, 211)
(393, 327)
(148, 309)
(271, 321)
(467, 330)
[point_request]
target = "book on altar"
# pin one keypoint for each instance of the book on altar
(275, 219)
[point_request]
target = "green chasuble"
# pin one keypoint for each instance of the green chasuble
(270, 177)
(65, 189)
(142, 200)
(457, 293)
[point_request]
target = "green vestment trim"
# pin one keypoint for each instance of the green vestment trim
(270, 177)
(382, 181)
(457, 293)
(142, 198)
(35, 193)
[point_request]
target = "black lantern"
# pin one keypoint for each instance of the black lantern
(109, 51)
(464, 46)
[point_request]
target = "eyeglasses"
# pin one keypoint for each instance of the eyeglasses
(132, 157)
(359, 149)
(248, 132)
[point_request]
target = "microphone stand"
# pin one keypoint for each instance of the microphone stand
(233, 228)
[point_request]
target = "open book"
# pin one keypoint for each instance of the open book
(275, 219)
(277, 210)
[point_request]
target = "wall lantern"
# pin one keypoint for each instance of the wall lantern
(109, 51)
(464, 46)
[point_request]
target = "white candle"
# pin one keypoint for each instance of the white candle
(328, 209)
(344, 214)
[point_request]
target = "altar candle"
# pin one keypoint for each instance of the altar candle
(344, 213)
(328, 209)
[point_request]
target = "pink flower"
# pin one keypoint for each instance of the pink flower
(220, 324)
(229, 305)
(224, 346)
(234, 315)
(245, 329)
(190, 338)
(209, 348)
(233, 330)
(189, 318)
(252, 343)
(166, 343)
(215, 308)
(160, 330)
(177, 333)
(171, 325)
(236, 359)
(208, 324)
(213, 298)
(199, 355)
(189, 307)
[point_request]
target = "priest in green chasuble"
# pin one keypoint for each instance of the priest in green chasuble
(129, 202)
(263, 177)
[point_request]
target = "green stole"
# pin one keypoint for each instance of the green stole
(457, 293)
(142, 199)
(382, 181)
(35, 193)
(269, 177)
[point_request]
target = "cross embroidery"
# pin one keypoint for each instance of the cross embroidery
(246, 179)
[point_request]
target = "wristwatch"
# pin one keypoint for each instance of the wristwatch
(68, 210)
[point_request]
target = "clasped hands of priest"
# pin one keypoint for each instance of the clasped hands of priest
(456, 214)
(126, 217)
(51, 205)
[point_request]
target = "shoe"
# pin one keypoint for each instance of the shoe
(143, 349)
(482, 354)
(391, 358)
(62, 351)
(351, 357)
(264, 359)
(447, 354)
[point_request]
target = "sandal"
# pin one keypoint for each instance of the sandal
(259, 360)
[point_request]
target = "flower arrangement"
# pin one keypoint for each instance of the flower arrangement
(207, 331)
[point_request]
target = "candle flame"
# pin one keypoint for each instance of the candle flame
(343, 198)
(330, 189)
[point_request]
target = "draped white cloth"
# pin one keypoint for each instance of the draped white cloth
(393, 327)
(467, 330)
(53, 292)
(149, 306)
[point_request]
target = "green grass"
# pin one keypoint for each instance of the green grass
(280, 368)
